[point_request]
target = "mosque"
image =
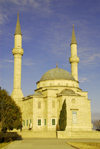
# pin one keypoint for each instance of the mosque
(41, 109)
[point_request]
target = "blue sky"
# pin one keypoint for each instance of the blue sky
(47, 28)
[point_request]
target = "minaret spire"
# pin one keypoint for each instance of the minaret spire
(73, 41)
(18, 28)
(74, 59)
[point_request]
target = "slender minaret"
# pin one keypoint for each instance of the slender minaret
(74, 59)
(17, 52)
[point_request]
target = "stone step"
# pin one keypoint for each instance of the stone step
(32, 134)
(88, 134)
(79, 134)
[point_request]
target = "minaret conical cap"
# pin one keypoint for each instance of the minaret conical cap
(18, 28)
(73, 41)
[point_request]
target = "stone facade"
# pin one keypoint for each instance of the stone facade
(40, 111)
(45, 104)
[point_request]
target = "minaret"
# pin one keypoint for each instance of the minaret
(17, 52)
(74, 59)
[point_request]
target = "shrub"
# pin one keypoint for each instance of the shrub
(96, 125)
(10, 113)
(62, 117)
(9, 136)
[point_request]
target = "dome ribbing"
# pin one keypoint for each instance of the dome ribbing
(57, 74)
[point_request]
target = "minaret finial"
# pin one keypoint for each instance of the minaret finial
(56, 65)
(18, 28)
(73, 41)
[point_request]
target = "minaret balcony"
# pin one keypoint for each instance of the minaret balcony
(74, 59)
(18, 51)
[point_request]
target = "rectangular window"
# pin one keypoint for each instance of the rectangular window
(26, 122)
(74, 117)
(44, 121)
(39, 122)
(53, 121)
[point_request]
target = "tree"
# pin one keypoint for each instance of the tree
(96, 124)
(62, 117)
(10, 113)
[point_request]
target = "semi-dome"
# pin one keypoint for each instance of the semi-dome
(68, 92)
(57, 74)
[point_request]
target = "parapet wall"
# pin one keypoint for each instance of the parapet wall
(79, 134)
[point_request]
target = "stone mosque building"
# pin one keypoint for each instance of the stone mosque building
(41, 110)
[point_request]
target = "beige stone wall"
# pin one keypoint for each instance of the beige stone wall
(39, 113)
(57, 83)
(79, 134)
(81, 106)
(51, 105)
(27, 113)
(18, 41)
(48, 105)
(74, 60)
(17, 52)
(51, 113)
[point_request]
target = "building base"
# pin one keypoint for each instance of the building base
(60, 134)
(79, 134)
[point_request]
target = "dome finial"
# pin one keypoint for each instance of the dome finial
(56, 65)
(18, 28)
(73, 41)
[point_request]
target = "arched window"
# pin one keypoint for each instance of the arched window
(39, 122)
(53, 121)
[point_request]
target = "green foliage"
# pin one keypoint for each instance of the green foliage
(96, 125)
(9, 136)
(62, 117)
(10, 114)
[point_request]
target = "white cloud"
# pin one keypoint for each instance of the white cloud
(92, 58)
(82, 80)
(89, 58)
(24, 2)
(4, 62)
(27, 62)
(27, 35)
(8, 61)
(41, 5)
(18, 2)
(0, 65)
(3, 18)
(0, 32)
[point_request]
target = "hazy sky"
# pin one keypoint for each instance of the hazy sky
(47, 28)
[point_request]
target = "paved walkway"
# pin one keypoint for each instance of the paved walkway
(39, 144)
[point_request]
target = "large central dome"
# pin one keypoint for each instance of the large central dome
(57, 74)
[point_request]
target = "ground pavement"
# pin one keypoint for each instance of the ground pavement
(39, 144)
